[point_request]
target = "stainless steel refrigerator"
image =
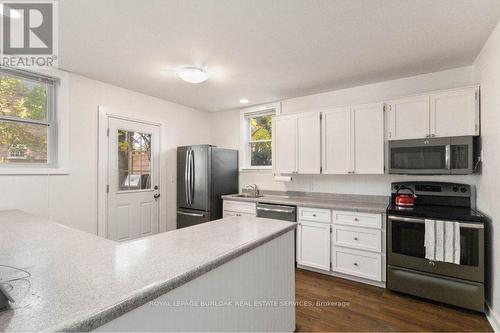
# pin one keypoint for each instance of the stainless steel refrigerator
(204, 173)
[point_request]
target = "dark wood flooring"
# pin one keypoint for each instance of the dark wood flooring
(355, 307)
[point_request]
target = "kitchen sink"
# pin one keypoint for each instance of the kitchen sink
(244, 195)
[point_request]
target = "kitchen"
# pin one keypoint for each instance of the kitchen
(330, 140)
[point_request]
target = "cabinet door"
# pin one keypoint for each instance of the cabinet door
(455, 113)
(336, 151)
(309, 143)
(284, 144)
(408, 118)
(313, 245)
(368, 149)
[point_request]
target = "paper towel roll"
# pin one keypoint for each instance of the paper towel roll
(282, 178)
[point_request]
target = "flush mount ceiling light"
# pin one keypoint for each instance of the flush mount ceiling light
(243, 101)
(192, 74)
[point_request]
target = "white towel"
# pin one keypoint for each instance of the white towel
(439, 240)
(442, 241)
(456, 242)
(430, 240)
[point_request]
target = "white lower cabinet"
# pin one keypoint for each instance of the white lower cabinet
(313, 238)
(238, 208)
(349, 243)
(363, 264)
(357, 238)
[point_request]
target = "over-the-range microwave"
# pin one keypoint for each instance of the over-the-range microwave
(433, 156)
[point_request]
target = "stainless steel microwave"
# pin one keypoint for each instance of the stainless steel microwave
(433, 156)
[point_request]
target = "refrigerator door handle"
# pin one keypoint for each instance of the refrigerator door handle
(191, 177)
(186, 175)
(189, 214)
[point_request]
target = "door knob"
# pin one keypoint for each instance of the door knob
(156, 196)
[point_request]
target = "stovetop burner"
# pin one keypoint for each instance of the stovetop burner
(438, 212)
(438, 200)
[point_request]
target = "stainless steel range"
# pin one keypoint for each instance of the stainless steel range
(408, 270)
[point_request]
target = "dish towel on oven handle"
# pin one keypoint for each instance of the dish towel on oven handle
(442, 241)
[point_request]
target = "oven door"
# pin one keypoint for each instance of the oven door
(422, 156)
(405, 246)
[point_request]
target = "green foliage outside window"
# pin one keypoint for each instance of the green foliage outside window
(25, 100)
(260, 140)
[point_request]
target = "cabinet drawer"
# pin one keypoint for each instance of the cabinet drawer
(227, 213)
(239, 206)
(363, 264)
(357, 238)
(314, 214)
(358, 219)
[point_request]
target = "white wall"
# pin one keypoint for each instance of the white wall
(225, 126)
(72, 199)
(487, 70)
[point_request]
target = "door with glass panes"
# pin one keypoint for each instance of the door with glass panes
(133, 177)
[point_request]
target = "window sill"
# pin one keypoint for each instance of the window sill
(33, 171)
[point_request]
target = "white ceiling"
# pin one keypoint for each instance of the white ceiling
(267, 50)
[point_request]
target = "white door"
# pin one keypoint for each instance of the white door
(336, 156)
(408, 118)
(133, 177)
(313, 244)
(309, 143)
(454, 113)
(285, 144)
(368, 122)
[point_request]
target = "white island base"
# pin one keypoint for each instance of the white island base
(253, 292)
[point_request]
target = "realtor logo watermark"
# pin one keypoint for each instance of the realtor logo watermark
(29, 33)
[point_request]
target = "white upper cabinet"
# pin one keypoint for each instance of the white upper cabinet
(336, 141)
(368, 148)
(297, 143)
(441, 114)
(408, 118)
(285, 144)
(353, 140)
(309, 143)
(455, 113)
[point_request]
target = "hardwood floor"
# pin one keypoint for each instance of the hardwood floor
(354, 307)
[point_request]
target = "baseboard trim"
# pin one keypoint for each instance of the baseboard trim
(344, 276)
(493, 318)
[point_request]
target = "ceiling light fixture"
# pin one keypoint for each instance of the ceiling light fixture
(243, 101)
(192, 74)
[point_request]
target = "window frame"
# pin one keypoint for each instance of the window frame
(58, 114)
(273, 109)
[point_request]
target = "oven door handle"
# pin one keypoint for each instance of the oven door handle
(416, 220)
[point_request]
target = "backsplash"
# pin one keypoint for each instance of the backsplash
(345, 184)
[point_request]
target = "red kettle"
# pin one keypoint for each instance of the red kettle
(405, 200)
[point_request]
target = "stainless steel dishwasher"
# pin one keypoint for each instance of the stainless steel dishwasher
(278, 212)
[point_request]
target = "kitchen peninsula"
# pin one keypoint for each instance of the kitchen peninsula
(211, 277)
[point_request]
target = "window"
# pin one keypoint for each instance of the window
(257, 136)
(27, 127)
(134, 160)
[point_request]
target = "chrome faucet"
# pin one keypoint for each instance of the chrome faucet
(255, 189)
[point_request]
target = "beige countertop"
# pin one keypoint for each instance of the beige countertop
(80, 281)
